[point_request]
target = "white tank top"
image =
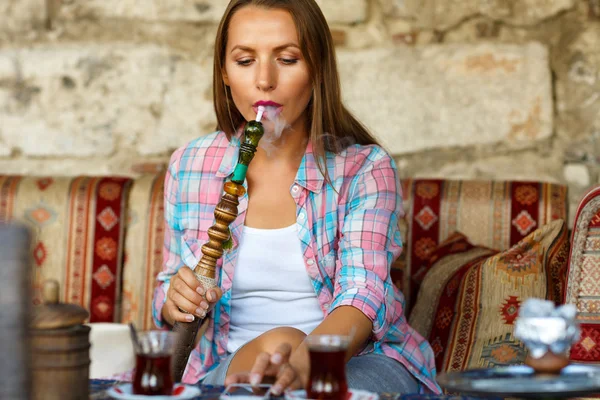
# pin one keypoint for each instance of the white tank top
(271, 287)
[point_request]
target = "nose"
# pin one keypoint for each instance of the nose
(266, 80)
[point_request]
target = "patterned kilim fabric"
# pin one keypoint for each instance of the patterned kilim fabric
(469, 299)
(583, 277)
(492, 214)
(77, 236)
(143, 249)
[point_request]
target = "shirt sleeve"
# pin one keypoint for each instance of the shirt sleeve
(369, 242)
(172, 241)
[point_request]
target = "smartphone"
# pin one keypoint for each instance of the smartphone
(245, 391)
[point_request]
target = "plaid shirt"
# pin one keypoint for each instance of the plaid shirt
(349, 236)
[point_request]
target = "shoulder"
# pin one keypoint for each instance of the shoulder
(357, 160)
(192, 155)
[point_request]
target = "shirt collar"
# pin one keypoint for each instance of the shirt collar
(309, 175)
(230, 158)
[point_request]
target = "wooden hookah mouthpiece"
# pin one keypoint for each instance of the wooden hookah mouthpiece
(225, 213)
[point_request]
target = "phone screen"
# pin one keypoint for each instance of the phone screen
(240, 391)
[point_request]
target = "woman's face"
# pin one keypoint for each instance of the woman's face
(264, 65)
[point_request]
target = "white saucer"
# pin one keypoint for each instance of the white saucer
(353, 394)
(124, 392)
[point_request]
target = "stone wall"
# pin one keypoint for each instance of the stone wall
(495, 89)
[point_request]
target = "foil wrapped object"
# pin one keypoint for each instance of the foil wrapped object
(543, 327)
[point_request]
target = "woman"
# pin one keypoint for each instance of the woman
(315, 236)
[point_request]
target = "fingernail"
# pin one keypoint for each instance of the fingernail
(210, 295)
(204, 305)
(200, 290)
(276, 390)
(254, 379)
(189, 318)
(276, 358)
(200, 312)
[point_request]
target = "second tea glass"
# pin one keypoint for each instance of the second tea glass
(327, 380)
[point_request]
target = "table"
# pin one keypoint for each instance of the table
(98, 392)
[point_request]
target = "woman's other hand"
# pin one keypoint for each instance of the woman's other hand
(271, 367)
(187, 294)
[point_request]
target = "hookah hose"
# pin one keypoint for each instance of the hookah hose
(225, 213)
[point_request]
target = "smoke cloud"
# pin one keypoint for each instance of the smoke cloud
(274, 125)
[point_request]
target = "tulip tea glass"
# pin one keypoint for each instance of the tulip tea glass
(153, 374)
(327, 380)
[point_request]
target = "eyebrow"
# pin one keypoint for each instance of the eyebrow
(278, 48)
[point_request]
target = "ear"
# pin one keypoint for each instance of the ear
(225, 77)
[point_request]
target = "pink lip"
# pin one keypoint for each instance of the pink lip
(278, 108)
(267, 104)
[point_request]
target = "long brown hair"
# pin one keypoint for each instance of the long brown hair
(332, 127)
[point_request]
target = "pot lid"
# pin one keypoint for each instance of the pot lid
(55, 315)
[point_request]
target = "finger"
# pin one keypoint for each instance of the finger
(188, 276)
(242, 377)
(214, 295)
(281, 354)
(259, 368)
(187, 292)
(187, 306)
(177, 315)
(286, 376)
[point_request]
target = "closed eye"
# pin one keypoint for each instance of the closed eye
(289, 61)
(244, 63)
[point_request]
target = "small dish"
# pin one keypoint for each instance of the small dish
(353, 394)
(180, 392)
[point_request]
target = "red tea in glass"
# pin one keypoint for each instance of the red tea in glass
(327, 380)
(153, 374)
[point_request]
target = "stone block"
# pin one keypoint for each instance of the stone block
(84, 100)
(147, 10)
(344, 11)
(443, 14)
(578, 85)
(186, 110)
(437, 96)
(21, 15)
(210, 11)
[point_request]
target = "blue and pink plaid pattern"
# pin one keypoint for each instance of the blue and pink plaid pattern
(348, 230)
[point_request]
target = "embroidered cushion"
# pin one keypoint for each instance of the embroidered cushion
(470, 297)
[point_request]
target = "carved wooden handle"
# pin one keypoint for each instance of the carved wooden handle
(225, 213)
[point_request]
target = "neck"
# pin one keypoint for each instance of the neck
(290, 147)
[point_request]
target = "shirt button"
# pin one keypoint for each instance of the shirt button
(295, 188)
(310, 261)
(327, 305)
(301, 216)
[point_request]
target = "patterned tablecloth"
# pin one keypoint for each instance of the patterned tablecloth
(98, 392)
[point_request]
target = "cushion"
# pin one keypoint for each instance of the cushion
(583, 277)
(143, 249)
(494, 214)
(469, 299)
(78, 235)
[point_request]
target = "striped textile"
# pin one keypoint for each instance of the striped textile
(143, 249)
(78, 236)
(583, 277)
(494, 214)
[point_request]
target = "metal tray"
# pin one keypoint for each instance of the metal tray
(521, 381)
